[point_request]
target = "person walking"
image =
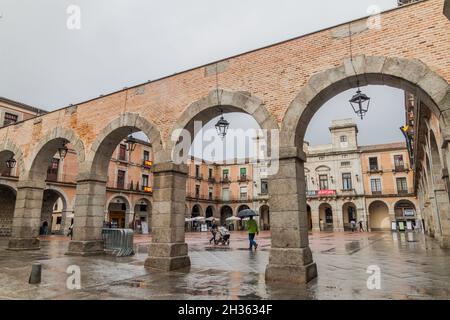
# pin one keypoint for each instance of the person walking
(70, 233)
(361, 227)
(213, 231)
(353, 223)
(252, 229)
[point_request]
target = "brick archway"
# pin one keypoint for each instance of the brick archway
(46, 148)
(207, 108)
(8, 149)
(408, 74)
(110, 136)
(31, 186)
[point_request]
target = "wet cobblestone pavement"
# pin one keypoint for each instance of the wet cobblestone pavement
(409, 270)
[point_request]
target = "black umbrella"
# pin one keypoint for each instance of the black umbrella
(247, 213)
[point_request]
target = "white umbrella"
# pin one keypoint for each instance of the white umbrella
(233, 219)
(210, 219)
(198, 219)
(187, 219)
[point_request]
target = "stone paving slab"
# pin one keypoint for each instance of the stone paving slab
(410, 270)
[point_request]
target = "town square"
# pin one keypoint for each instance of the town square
(310, 165)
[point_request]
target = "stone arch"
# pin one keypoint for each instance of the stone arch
(123, 197)
(205, 109)
(7, 150)
(141, 216)
(225, 212)
(326, 217)
(349, 212)
(242, 207)
(264, 217)
(49, 198)
(197, 211)
(117, 215)
(47, 147)
(410, 74)
(109, 137)
(379, 218)
(210, 211)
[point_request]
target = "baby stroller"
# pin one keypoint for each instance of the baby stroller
(222, 236)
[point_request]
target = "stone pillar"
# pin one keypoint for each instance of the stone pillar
(27, 217)
(315, 217)
(338, 218)
(168, 250)
(443, 206)
(290, 256)
(129, 219)
(89, 216)
(65, 221)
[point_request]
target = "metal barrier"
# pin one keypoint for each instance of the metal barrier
(118, 242)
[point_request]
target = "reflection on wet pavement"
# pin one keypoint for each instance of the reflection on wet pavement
(416, 269)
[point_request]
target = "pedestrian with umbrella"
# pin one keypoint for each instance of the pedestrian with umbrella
(252, 226)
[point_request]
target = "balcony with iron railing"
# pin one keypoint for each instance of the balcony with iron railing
(200, 197)
(400, 168)
(243, 178)
(211, 180)
(375, 169)
(404, 192)
(225, 179)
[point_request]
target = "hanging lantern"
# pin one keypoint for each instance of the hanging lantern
(11, 163)
(63, 151)
(222, 127)
(131, 143)
(360, 103)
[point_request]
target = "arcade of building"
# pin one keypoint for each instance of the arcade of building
(281, 87)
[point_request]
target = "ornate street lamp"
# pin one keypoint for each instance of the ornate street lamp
(63, 151)
(360, 103)
(11, 163)
(131, 143)
(222, 127)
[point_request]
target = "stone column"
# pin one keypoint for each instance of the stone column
(65, 221)
(128, 219)
(168, 250)
(443, 207)
(338, 218)
(315, 217)
(290, 256)
(27, 217)
(89, 216)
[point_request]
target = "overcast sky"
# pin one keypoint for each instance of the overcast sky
(126, 42)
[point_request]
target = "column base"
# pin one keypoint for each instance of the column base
(22, 244)
(86, 248)
(338, 229)
(168, 256)
(291, 266)
(316, 229)
(444, 242)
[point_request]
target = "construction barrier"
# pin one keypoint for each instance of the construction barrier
(118, 242)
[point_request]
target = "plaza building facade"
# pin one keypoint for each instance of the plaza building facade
(222, 190)
(335, 192)
(368, 184)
